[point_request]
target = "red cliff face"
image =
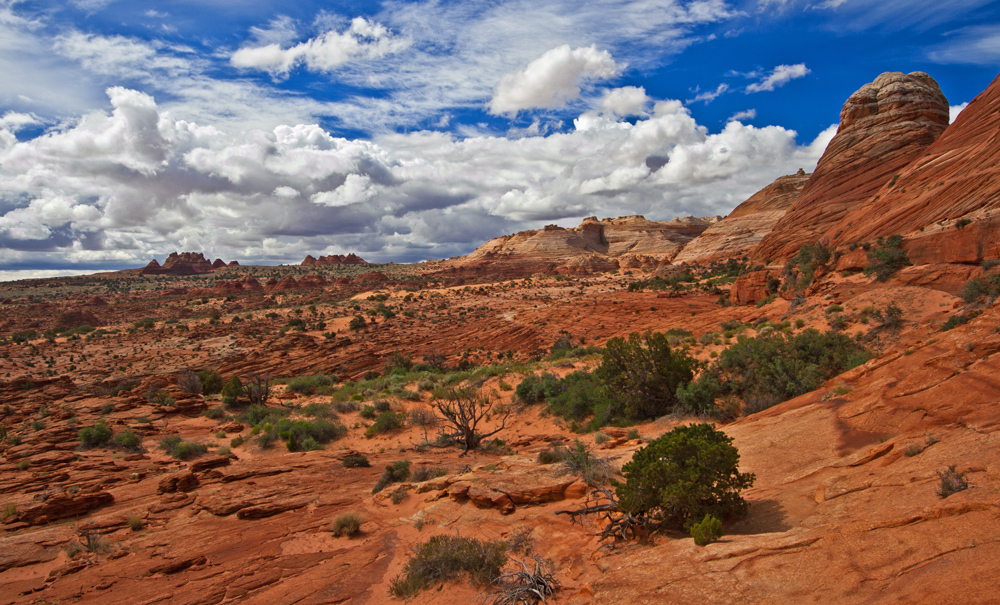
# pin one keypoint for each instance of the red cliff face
(748, 223)
(947, 200)
(883, 127)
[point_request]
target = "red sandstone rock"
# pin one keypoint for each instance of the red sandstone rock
(186, 263)
(335, 259)
(60, 506)
(955, 178)
(883, 127)
(747, 224)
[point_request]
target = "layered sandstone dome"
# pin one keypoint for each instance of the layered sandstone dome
(883, 127)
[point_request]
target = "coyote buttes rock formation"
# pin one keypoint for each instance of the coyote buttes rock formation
(185, 263)
(883, 127)
(335, 259)
(739, 232)
(594, 245)
(958, 177)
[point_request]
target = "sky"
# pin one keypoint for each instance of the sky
(411, 130)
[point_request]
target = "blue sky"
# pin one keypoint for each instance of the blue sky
(405, 131)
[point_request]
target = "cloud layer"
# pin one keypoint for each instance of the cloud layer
(137, 182)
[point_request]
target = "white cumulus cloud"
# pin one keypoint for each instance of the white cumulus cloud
(779, 76)
(362, 40)
(552, 79)
(625, 101)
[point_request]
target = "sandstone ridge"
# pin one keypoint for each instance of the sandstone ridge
(747, 224)
(595, 245)
(185, 263)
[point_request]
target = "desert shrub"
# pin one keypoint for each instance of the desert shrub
(581, 461)
(890, 318)
(772, 367)
(399, 495)
(356, 461)
(396, 472)
(346, 407)
(578, 396)
(127, 440)
(886, 258)
(385, 422)
(707, 530)
(357, 322)
(838, 322)
(398, 363)
(211, 382)
(952, 482)
(135, 522)
(368, 412)
(809, 258)
(382, 406)
(552, 455)
(301, 435)
(232, 391)
(346, 524)
(307, 385)
(182, 450)
(190, 383)
(236, 441)
(215, 413)
(683, 475)
(978, 288)
(464, 411)
(444, 557)
(319, 410)
(536, 388)
(959, 320)
(257, 387)
(95, 436)
(426, 473)
(642, 375)
(600, 438)
(159, 397)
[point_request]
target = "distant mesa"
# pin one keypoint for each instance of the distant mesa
(334, 259)
(595, 245)
(185, 263)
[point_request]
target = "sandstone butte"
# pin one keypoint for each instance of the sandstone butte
(737, 234)
(185, 263)
(596, 245)
(845, 506)
(334, 259)
(884, 126)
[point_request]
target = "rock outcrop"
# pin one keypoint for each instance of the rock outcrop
(947, 200)
(185, 263)
(883, 127)
(334, 259)
(596, 245)
(747, 224)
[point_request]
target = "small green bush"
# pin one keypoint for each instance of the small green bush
(127, 440)
(135, 522)
(356, 461)
(182, 450)
(707, 530)
(445, 557)
(211, 382)
(307, 385)
(396, 472)
(95, 436)
(347, 524)
(886, 258)
(367, 412)
(215, 413)
(426, 473)
(385, 422)
(232, 391)
(683, 475)
(552, 455)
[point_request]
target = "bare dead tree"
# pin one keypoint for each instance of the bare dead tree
(464, 410)
(524, 584)
(617, 526)
(257, 387)
(423, 419)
